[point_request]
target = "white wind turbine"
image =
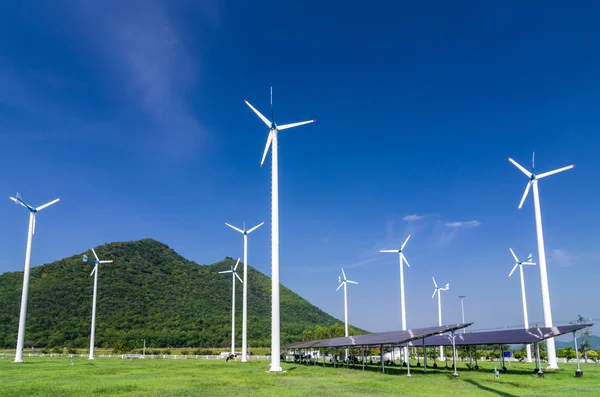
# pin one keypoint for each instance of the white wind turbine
(402, 260)
(272, 140)
(533, 182)
(438, 291)
(95, 273)
(23, 315)
(520, 265)
(233, 276)
(245, 289)
(343, 281)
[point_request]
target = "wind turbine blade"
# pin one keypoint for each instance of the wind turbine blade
(395, 251)
(530, 257)
(85, 258)
(513, 269)
(239, 278)
(545, 174)
(18, 201)
(292, 125)
(404, 259)
(529, 263)
(106, 261)
(447, 287)
(235, 228)
(236, 264)
(405, 241)
(95, 255)
(533, 162)
(259, 114)
(339, 286)
(226, 271)
(513, 254)
(41, 207)
(519, 166)
(434, 292)
(524, 195)
(351, 282)
(93, 270)
(344, 274)
(434, 283)
(269, 140)
(254, 228)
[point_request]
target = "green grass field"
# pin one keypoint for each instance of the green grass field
(164, 377)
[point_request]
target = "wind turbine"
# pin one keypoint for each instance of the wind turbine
(32, 213)
(343, 281)
(233, 276)
(438, 291)
(520, 265)
(245, 288)
(95, 273)
(533, 182)
(272, 140)
(402, 260)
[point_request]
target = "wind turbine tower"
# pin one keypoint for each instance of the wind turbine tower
(23, 315)
(438, 291)
(533, 182)
(272, 141)
(95, 273)
(402, 260)
(520, 265)
(245, 233)
(233, 276)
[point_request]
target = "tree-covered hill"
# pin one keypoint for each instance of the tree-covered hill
(149, 292)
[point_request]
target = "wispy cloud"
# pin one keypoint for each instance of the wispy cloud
(412, 218)
(561, 258)
(457, 224)
(150, 56)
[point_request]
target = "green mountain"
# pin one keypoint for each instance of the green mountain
(149, 292)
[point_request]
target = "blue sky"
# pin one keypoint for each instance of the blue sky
(133, 114)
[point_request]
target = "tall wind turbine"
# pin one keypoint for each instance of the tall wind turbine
(520, 265)
(438, 291)
(95, 273)
(245, 288)
(343, 281)
(272, 140)
(533, 182)
(233, 276)
(402, 260)
(22, 316)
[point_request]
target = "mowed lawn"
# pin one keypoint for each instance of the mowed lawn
(191, 377)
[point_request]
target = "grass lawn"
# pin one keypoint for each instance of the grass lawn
(164, 377)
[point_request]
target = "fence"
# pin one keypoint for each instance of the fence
(134, 356)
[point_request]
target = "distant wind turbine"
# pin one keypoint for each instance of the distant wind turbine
(272, 141)
(402, 260)
(245, 288)
(23, 315)
(438, 291)
(533, 182)
(95, 273)
(233, 276)
(344, 281)
(520, 265)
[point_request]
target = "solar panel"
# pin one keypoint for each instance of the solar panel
(376, 339)
(504, 337)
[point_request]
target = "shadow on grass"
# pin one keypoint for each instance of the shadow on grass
(482, 387)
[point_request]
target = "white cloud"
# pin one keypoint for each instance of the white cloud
(463, 224)
(412, 218)
(561, 258)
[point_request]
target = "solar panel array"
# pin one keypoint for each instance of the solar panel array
(377, 339)
(504, 337)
